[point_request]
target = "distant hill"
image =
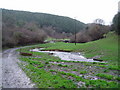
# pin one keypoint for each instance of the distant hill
(60, 23)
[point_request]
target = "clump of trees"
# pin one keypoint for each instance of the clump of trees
(22, 35)
(92, 32)
(116, 23)
(51, 32)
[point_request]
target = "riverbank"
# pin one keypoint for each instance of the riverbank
(105, 49)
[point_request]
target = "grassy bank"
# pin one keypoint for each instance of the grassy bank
(48, 71)
(106, 48)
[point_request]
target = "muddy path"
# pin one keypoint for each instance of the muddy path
(12, 74)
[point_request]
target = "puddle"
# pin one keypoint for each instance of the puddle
(90, 77)
(68, 56)
(81, 84)
(57, 63)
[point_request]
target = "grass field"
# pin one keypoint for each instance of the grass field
(107, 48)
(72, 74)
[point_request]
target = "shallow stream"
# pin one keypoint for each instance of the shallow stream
(69, 56)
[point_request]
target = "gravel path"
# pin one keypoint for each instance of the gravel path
(0, 70)
(12, 74)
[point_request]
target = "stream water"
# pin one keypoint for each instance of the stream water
(69, 56)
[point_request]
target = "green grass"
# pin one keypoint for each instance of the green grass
(74, 70)
(106, 76)
(62, 65)
(102, 84)
(52, 70)
(94, 83)
(40, 70)
(110, 67)
(44, 79)
(83, 72)
(107, 48)
(40, 76)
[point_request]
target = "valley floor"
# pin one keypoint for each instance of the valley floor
(43, 70)
(48, 71)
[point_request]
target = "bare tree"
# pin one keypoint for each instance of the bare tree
(99, 21)
(91, 33)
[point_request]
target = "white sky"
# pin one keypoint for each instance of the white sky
(84, 10)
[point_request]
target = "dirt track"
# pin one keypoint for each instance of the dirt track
(12, 74)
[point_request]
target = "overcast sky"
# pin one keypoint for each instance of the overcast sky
(84, 10)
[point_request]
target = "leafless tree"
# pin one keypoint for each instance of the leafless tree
(99, 21)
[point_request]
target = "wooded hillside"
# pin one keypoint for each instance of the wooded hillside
(61, 23)
(22, 27)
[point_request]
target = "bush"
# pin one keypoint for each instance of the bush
(21, 36)
(91, 33)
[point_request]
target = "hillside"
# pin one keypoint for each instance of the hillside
(61, 23)
(22, 27)
(107, 47)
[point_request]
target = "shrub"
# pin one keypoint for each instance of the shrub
(21, 36)
(91, 33)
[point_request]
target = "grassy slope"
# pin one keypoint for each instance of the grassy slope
(107, 47)
(41, 71)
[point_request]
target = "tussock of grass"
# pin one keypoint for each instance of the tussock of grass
(106, 76)
(62, 65)
(101, 84)
(83, 72)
